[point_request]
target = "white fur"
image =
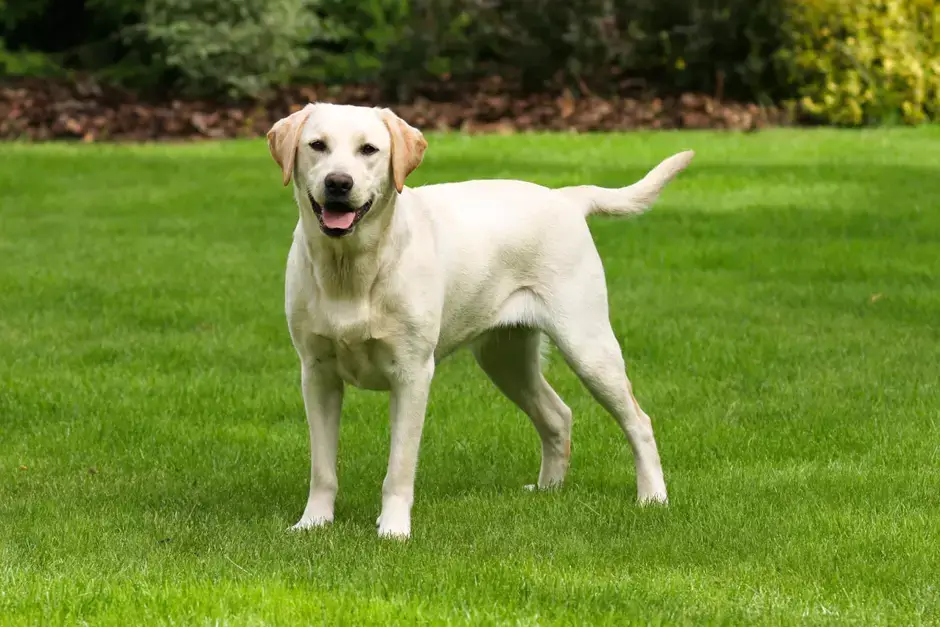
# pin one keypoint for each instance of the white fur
(488, 264)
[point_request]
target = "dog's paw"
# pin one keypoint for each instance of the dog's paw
(653, 498)
(394, 522)
(551, 487)
(311, 522)
(394, 533)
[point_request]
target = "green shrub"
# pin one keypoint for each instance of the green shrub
(851, 63)
(42, 37)
(537, 41)
(872, 61)
(723, 47)
(26, 63)
(243, 46)
(396, 43)
(677, 44)
(237, 47)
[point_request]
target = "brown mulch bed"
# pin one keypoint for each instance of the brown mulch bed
(41, 110)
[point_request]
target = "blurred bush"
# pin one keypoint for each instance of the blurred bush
(396, 43)
(838, 62)
(676, 45)
(236, 47)
(595, 44)
(865, 62)
(241, 46)
(49, 37)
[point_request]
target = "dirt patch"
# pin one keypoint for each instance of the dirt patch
(42, 110)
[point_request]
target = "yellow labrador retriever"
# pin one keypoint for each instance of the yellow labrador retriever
(384, 281)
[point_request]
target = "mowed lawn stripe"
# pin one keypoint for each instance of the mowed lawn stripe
(778, 309)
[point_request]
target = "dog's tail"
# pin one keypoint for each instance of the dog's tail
(635, 198)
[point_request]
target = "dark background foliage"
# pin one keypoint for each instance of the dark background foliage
(854, 63)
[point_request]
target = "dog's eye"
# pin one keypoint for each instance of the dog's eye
(318, 144)
(368, 149)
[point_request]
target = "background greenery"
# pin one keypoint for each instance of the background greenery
(865, 62)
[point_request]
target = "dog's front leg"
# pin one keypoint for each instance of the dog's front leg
(408, 403)
(323, 400)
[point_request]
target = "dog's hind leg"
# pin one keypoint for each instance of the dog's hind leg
(511, 359)
(582, 332)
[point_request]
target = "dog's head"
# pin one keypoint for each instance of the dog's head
(345, 161)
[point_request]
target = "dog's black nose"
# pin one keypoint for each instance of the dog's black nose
(338, 183)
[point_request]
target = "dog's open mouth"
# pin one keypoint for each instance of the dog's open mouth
(336, 217)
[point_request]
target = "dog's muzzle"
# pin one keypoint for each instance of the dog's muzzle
(338, 218)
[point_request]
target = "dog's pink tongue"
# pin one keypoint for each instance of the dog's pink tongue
(338, 219)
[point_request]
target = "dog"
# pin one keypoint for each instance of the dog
(383, 281)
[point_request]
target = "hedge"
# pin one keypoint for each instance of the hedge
(861, 62)
(872, 61)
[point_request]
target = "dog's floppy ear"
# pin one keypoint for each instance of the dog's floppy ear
(408, 146)
(284, 137)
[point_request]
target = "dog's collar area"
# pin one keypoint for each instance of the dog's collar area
(338, 207)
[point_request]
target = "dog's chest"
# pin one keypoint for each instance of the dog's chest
(344, 334)
(360, 364)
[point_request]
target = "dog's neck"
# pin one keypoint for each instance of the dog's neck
(348, 267)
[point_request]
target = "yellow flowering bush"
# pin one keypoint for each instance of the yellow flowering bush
(863, 61)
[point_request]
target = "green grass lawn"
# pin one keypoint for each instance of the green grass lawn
(779, 310)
